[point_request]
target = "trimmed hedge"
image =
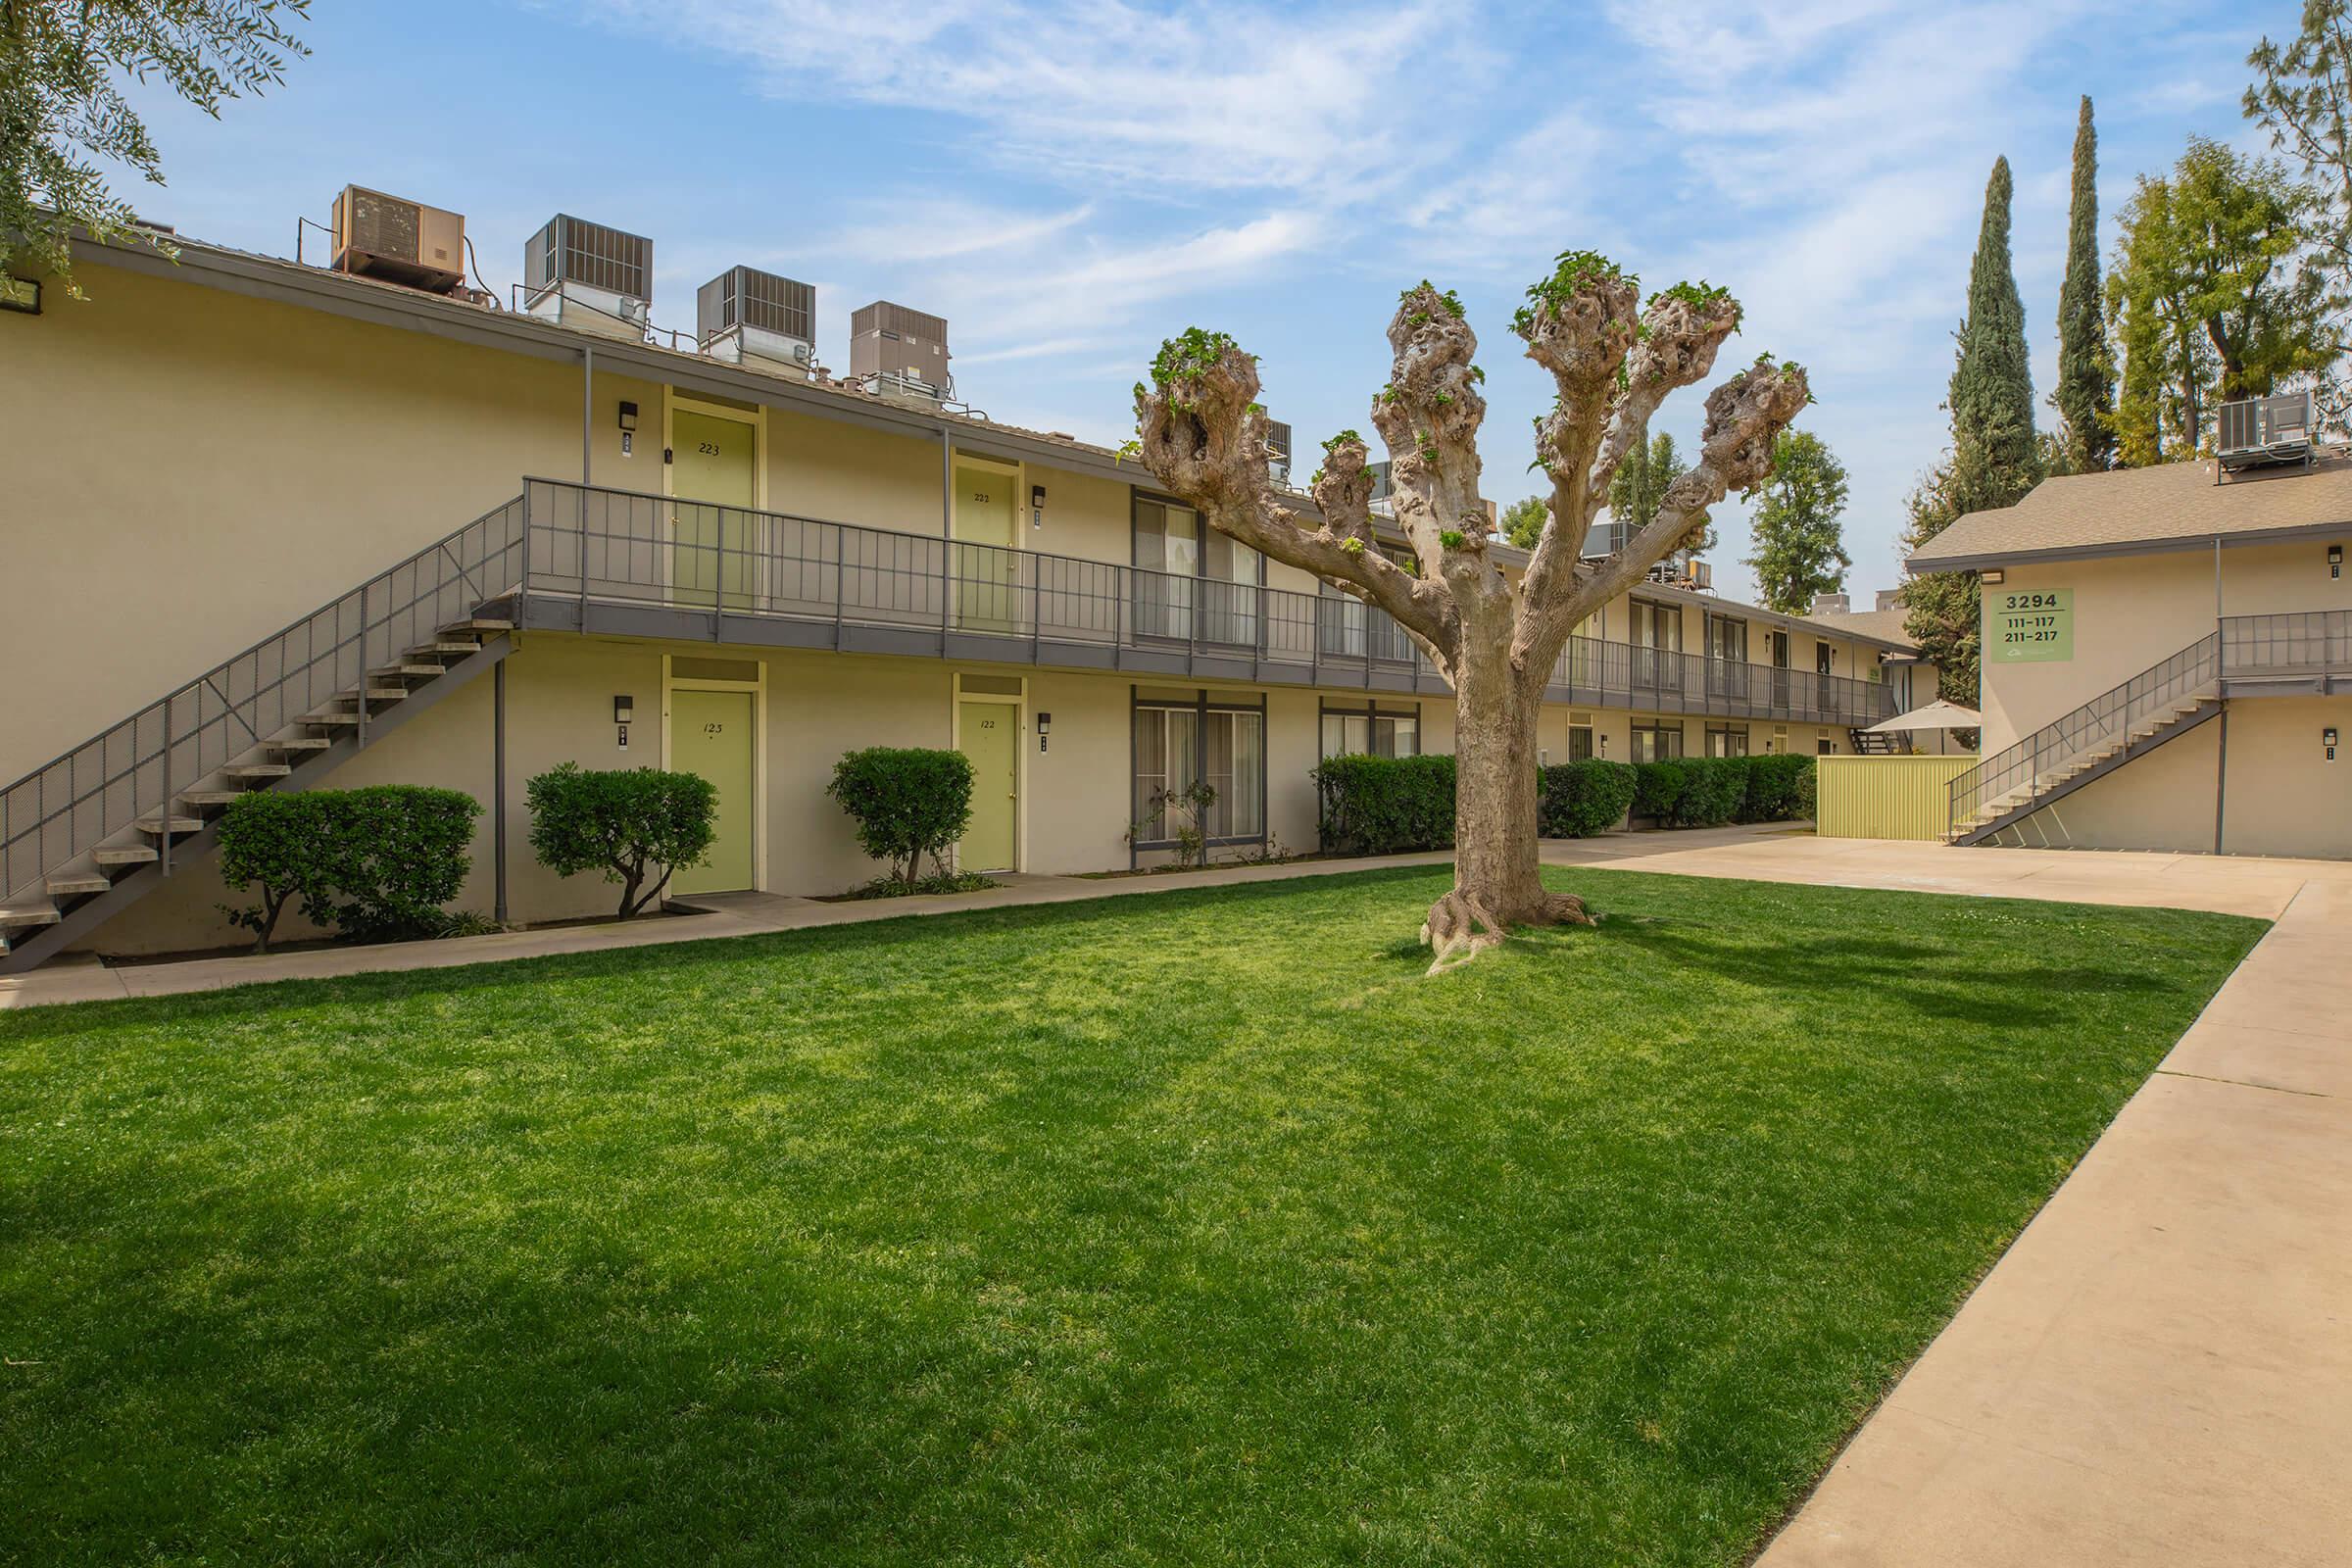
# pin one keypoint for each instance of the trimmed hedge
(1577, 800)
(1386, 804)
(1710, 791)
(376, 865)
(909, 802)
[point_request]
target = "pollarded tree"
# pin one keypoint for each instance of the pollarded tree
(1493, 636)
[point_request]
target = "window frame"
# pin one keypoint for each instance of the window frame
(1201, 705)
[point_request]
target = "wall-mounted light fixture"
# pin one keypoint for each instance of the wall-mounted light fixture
(628, 428)
(2327, 740)
(1036, 506)
(1996, 575)
(2335, 561)
(23, 295)
(624, 711)
(1044, 726)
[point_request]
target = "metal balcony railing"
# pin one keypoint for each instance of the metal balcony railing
(600, 546)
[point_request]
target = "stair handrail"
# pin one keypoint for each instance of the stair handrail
(2111, 713)
(91, 792)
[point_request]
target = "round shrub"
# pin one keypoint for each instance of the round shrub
(1712, 791)
(627, 823)
(909, 802)
(376, 865)
(1658, 788)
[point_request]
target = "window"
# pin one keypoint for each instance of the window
(1658, 743)
(1825, 746)
(1656, 633)
(1579, 743)
(1180, 744)
(1725, 741)
(1351, 732)
(1190, 580)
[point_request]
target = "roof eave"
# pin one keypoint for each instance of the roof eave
(1925, 564)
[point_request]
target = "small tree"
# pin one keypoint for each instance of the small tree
(272, 840)
(62, 113)
(1799, 544)
(1492, 634)
(628, 824)
(398, 854)
(1523, 522)
(909, 802)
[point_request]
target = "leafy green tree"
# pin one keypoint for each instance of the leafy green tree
(62, 113)
(1799, 544)
(2302, 95)
(2213, 297)
(1941, 609)
(1523, 522)
(1991, 397)
(2086, 394)
(909, 802)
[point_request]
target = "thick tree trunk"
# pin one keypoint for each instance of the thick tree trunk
(1496, 883)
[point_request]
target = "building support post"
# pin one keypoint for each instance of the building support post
(497, 789)
(2221, 773)
(947, 535)
(587, 420)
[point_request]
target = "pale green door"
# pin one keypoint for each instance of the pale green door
(710, 735)
(710, 463)
(991, 733)
(987, 570)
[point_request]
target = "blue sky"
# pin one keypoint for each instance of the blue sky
(1070, 184)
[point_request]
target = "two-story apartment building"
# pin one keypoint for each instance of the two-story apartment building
(276, 526)
(2167, 659)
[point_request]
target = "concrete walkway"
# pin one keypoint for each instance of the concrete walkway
(2159, 1371)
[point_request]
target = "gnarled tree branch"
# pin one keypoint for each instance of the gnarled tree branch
(1202, 436)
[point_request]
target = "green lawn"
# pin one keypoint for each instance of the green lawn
(1191, 1228)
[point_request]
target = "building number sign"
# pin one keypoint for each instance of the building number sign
(2031, 625)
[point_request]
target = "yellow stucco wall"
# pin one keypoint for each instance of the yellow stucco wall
(2132, 612)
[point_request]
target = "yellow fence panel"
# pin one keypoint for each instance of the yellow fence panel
(1886, 797)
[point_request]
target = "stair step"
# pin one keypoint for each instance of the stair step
(124, 855)
(443, 649)
(478, 623)
(330, 718)
(31, 914)
(73, 887)
(204, 798)
(384, 694)
(300, 743)
(154, 826)
(404, 672)
(258, 770)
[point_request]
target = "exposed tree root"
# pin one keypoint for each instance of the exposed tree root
(1461, 925)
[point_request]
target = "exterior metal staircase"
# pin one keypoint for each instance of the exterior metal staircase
(106, 823)
(2157, 705)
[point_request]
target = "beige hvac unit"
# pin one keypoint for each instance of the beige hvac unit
(898, 353)
(399, 241)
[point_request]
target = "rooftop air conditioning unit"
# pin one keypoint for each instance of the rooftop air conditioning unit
(899, 353)
(398, 241)
(2259, 431)
(1277, 451)
(746, 317)
(585, 275)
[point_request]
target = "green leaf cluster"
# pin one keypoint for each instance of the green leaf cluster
(1797, 538)
(1571, 272)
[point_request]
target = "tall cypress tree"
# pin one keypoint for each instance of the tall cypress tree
(1994, 460)
(2085, 395)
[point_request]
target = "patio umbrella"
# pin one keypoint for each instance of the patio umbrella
(1936, 716)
